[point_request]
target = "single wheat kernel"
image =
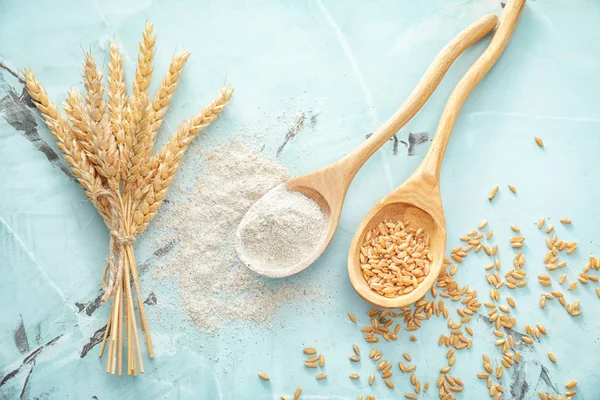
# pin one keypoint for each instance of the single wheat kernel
(572, 285)
(356, 349)
(565, 220)
(562, 301)
(297, 393)
(389, 384)
(493, 193)
(425, 387)
(488, 367)
(411, 368)
(539, 142)
(570, 393)
(371, 379)
(310, 365)
(354, 376)
(512, 188)
(552, 357)
(407, 357)
(499, 371)
(352, 317)
(410, 396)
(321, 360)
(263, 376)
(541, 223)
(310, 351)
(312, 359)
(355, 358)
(321, 376)
(527, 339)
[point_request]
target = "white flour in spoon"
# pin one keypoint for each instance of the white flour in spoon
(281, 230)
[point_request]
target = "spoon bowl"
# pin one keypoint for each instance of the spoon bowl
(309, 186)
(418, 200)
(328, 186)
(418, 206)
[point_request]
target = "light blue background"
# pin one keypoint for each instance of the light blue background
(351, 64)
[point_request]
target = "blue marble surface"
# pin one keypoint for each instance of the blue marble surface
(347, 66)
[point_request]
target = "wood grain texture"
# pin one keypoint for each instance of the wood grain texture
(418, 200)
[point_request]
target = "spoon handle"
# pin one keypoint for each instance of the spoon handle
(429, 170)
(425, 88)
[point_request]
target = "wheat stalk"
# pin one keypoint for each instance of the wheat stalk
(164, 164)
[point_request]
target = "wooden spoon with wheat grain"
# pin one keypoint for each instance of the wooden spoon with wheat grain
(418, 200)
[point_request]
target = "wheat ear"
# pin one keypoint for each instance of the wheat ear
(94, 88)
(75, 111)
(117, 103)
(81, 166)
(143, 72)
(164, 95)
(105, 145)
(164, 164)
(139, 137)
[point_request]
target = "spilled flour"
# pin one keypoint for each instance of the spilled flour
(214, 286)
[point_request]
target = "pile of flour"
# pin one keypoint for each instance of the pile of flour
(214, 285)
(280, 231)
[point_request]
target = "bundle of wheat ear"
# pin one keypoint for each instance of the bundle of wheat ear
(109, 145)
